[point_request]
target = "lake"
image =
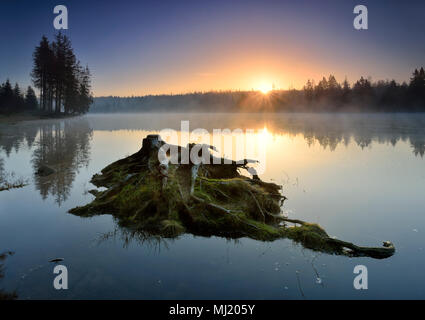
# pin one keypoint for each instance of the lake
(361, 177)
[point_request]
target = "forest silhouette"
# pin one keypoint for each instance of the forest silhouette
(64, 85)
(328, 95)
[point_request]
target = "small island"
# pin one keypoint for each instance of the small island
(167, 200)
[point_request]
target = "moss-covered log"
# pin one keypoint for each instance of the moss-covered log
(206, 199)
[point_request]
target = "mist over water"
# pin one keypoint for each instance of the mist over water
(360, 176)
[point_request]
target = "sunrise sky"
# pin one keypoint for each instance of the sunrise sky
(143, 47)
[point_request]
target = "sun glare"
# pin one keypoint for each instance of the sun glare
(265, 88)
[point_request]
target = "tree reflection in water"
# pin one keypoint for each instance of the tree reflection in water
(326, 129)
(4, 295)
(63, 145)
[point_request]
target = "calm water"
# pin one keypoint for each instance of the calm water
(362, 177)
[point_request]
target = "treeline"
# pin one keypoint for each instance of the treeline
(365, 95)
(13, 99)
(63, 83)
(328, 95)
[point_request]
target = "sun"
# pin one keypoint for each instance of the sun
(265, 88)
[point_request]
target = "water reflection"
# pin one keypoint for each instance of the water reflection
(418, 146)
(127, 235)
(362, 196)
(63, 145)
(328, 130)
(4, 295)
(2, 173)
(14, 137)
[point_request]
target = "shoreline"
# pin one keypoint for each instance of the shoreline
(20, 117)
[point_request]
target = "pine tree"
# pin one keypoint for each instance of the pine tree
(345, 92)
(31, 102)
(7, 97)
(42, 71)
(309, 91)
(416, 90)
(63, 84)
(18, 99)
(85, 96)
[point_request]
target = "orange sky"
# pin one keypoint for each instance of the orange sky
(172, 47)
